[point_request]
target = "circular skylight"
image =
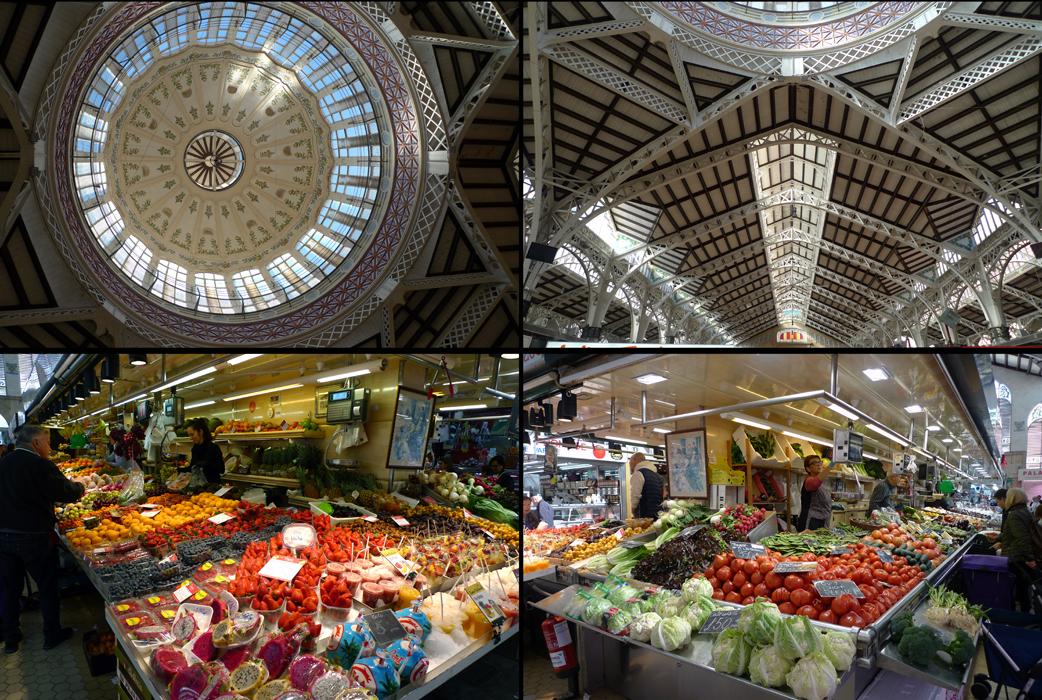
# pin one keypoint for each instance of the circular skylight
(230, 160)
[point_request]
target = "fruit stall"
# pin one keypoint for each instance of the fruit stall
(313, 567)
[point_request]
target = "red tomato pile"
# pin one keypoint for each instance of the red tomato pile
(742, 581)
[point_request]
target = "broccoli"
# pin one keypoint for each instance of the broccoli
(961, 649)
(919, 644)
(898, 625)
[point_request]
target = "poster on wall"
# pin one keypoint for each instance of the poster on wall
(412, 420)
(686, 462)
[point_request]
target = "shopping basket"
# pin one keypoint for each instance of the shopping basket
(1013, 649)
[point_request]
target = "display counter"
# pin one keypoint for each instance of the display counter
(642, 672)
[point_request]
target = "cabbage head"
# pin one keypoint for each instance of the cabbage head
(758, 622)
(619, 623)
(655, 598)
(671, 634)
(695, 587)
(669, 607)
(839, 648)
(795, 637)
(767, 668)
(621, 594)
(641, 626)
(594, 609)
(731, 652)
(813, 677)
(634, 606)
(577, 604)
(697, 611)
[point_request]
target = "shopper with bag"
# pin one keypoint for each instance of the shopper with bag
(1016, 541)
(207, 463)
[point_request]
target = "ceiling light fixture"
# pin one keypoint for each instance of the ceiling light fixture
(190, 377)
(947, 440)
(201, 403)
(933, 428)
(666, 403)
(457, 408)
(843, 412)
(650, 378)
(876, 374)
(138, 359)
(887, 434)
(510, 356)
(661, 430)
(110, 369)
(133, 398)
(746, 421)
(255, 392)
(914, 408)
(242, 358)
(808, 438)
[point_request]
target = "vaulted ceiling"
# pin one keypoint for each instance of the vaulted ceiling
(856, 191)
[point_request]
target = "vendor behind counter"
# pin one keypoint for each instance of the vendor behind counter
(207, 459)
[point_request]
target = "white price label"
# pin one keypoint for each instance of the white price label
(577, 542)
(370, 518)
(221, 492)
(185, 592)
(485, 603)
(354, 494)
(619, 535)
(282, 568)
(396, 560)
(402, 522)
(467, 513)
(149, 505)
(150, 514)
(221, 518)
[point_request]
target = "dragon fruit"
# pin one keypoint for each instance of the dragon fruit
(330, 685)
(305, 670)
(184, 628)
(248, 677)
(272, 690)
(233, 658)
(276, 655)
(167, 663)
(220, 610)
(199, 682)
(222, 633)
(233, 696)
(295, 695)
(204, 648)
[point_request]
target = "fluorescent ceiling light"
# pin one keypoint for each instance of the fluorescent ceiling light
(914, 408)
(624, 439)
(459, 408)
(661, 430)
(242, 358)
(887, 434)
(101, 411)
(843, 412)
(957, 449)
(347, 375)
(746, 421)
(510, 356)
(808, 438)
(933, 428)
(262, 391)
(650, 378)
(870, 455)
(564, 420)
(190, 377)
(877, 374)
(134, 398)
(947, 440)
(201, 403)
(667, 403)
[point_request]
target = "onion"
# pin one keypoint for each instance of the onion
(453, 497)
(479, 490)
(464, 500)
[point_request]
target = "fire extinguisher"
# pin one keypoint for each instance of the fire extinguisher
(559, 642)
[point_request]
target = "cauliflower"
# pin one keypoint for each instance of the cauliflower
(641, 626)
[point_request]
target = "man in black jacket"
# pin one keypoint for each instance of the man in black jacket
(645, 487)
(30, 485)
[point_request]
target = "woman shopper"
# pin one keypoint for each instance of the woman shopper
(815, 498)
(1016, 545)
(207, 459)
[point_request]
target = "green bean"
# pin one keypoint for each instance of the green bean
(818, 542)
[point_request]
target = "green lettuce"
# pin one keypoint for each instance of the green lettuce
(795, 637)
(731, 653)
(813, 677)
(758, 622)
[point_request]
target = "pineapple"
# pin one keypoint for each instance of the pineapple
(370, 484)
(302, 477)
(332, 491)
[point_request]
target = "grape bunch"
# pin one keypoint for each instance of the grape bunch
(345, 511)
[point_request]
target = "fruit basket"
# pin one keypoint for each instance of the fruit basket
(100, 650)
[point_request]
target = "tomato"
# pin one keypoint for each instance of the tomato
(773, 580)
(844, 604)
(756, 577)
(893, 526)
(807, 611)
(727, 587)
(719, 561)
(787, 608)
(766, 567)
(780, 595)
(868, 591)
(928, 543)
(894, 580)
(879, 574)
(845, 557)
(748, 600)
(737, 565)
(869, 612)
(718, 594)
(809, 556)
(888, 567)
(828, 576)
(761, 558)
(730, 557)
(747, 590)
(751, 567)
(792, 582)
(714, 582)
(819, 605)
(762, 591)
(800, 597)
(733, 597)
(739, 578)
(723, 573)
(711, 572)
(877, 534)
(889, 539)
(852, 619)
(827, 616)
(856, 576)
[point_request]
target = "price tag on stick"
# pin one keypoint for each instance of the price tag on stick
(747, 550)
(282, 568)
(720, 621)
(186, 591)
(885, 557)
(485, 603)
(221, 518)
(400, 521)
(221, 492)
(831, 589)
(385, 627)
(795, 567)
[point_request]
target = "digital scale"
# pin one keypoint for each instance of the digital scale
(347, 406)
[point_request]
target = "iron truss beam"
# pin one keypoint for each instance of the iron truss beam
(589, 31)
(993, 23)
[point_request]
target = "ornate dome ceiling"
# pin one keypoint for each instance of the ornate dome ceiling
(237, 171)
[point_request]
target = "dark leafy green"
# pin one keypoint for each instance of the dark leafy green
(680, 558)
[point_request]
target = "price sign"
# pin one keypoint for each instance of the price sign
(431, 501)
(221, 518)
(186, 591)
(150, 514)
(148, 505)
(282, 568)
(370, 518)
(488, 534)
(221, 492)
(396, 560)
(102, 550)
(747, 550)
(885, 556)
(577, 542)
(354, 495)
(688, 531)
(831, 589)
(618, 534)
(795, 567)
(401, 522)
(720, 621)
(631, 544)
(385, 627)
(485, 603)
(169, 560)
(466, 513)
(840, 551)
(836, 531)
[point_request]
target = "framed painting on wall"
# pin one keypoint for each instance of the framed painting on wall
(686, 464)
(409, 430)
